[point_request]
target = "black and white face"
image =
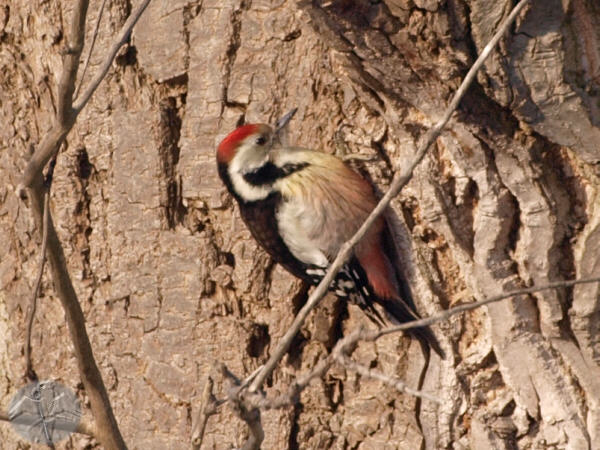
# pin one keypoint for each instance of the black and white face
(244, 159)
(251, 154)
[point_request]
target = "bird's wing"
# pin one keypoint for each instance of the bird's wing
(322, 206)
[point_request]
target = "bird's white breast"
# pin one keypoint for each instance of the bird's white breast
(298, 224)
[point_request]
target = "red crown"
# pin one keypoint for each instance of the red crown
(226, 149)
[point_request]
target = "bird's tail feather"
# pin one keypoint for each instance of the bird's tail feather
(400, 312)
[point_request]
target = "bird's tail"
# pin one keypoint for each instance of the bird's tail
(403, 309)
(400, 308)
(401, 312)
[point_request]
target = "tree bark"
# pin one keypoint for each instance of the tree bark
(171, 282)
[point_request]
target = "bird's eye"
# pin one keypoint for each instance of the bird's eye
(261, 140)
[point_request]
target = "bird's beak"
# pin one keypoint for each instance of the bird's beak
(281, 123)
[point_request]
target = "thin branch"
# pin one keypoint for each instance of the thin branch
(67, 113)
(301, 383)
(396, 383)
(29, 371)
(399, 181)
(245, 410)
(64, 114)
(291, 397)
(66, 84)
(338, 354)
(444, 315)
(49, 145)
(89, 55)
(208, 407)
(340, 350)
(257, 434)
(121, 39)
(107, 429)
(358, 157)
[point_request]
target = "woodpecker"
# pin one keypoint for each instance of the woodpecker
(301, 205)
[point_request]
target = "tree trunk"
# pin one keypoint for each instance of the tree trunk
(172, 283)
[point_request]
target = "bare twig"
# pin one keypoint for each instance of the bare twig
(339, 352)
(301, 383)
(67, 111)
(107, 429)
(396, 383)
(29, 371)
(250, 377)
(358, 157)
(119, 41)
(64, 115)
(245, 410)
(259, 400)
(49, 145)
(443, 315)
(208, 407)
(89, 55)
(257, 435)
(66, 84)
(398, 182)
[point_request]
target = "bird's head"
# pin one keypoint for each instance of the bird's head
(247, 147)
(243, 159)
